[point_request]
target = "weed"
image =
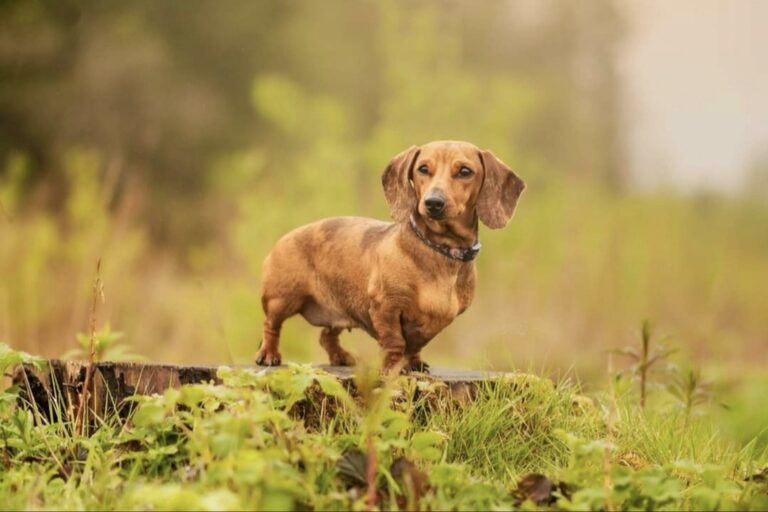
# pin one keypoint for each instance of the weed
(690, 390)
(645, 359)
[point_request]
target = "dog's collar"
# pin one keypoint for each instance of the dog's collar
(455, 253)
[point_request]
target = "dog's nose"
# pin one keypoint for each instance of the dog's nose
(435, 205)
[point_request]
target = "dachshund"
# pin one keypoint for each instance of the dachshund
(402, 282)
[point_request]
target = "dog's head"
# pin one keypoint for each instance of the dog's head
(448, 180)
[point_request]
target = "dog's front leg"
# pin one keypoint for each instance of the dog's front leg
(389, 333)
(416, 364)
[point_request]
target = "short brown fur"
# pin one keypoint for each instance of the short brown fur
(353, 272)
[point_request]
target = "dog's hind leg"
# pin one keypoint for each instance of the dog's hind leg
(277, 310)
(329, 340)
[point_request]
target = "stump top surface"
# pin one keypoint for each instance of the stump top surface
(443, 374)
(448, 375)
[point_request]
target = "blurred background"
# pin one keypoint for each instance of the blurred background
(176, 141)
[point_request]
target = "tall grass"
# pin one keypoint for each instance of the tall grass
(572, 274)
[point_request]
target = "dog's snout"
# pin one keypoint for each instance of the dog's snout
(435, 203)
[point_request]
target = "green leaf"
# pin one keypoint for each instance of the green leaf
(148, 414)
(627, 352)
(10, 358)
(431, 454)
(240, 377)
(425, 445)
(332, 387)
(422, 440)
(276, 500)
(221, 499)
(395, 423)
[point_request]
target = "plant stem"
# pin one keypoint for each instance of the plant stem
(81, 408)
(370, 473)
(607, 465)
(644, 362)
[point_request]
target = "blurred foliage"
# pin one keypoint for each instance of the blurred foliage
(106, 347)
(162, 91)
(177, 142)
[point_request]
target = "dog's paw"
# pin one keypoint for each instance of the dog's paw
(418, 366)
(264, 358)
(395, 366)
(342, 358)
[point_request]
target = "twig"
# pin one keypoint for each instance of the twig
(370, 473)
(98, 292)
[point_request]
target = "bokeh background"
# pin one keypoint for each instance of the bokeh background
(176, 141)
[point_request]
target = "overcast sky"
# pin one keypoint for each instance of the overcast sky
(697, 90)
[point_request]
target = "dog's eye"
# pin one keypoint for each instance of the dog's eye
(464, 172)
(423, 169)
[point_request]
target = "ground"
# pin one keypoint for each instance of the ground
(298, 439)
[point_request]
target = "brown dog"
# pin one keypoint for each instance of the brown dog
(402, 282)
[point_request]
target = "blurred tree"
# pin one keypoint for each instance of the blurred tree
(163, 90)
(568, 50)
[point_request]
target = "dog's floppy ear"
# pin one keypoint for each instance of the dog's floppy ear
(500, 192)
(397, 184)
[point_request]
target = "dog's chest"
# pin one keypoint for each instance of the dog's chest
(439, 298)
(437, 304)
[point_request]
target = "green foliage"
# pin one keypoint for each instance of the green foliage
(10, 358)
(680, 484)
(296, 438)
(106, 347)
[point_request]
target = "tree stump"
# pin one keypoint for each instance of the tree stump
(55, 391)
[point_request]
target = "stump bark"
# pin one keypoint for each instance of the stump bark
(56, 391)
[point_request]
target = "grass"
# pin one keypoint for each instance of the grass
(517, 421)
(567, 279)
(297, 439)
